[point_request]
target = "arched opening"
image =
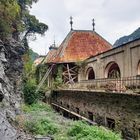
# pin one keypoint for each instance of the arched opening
(90, 74)
(112, 70)
(139, 68)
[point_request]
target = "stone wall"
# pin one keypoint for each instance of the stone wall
(123, 109)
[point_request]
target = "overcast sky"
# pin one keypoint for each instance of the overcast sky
(113, 19)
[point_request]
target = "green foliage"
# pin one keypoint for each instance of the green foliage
(30, 94)
(41, 69)
(29, 82)
(58, 81)
(25, 3)
(32, 26)
(82, 131)
(39, 106)
(32, 55)
(42, 127)
(9, 14)
(44, 121)
(15, 18)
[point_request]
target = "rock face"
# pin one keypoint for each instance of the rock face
(125, 39)
(10, 94)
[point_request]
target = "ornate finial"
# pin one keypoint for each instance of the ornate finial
(54, 41)
(93, 24)
(71, 22)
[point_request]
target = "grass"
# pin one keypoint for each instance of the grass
(41, 127)
(40, 106)
(42, 120)
(82, 131)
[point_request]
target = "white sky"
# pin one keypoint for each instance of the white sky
(113, 19)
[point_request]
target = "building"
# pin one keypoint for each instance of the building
(76, 47)
(104, 81)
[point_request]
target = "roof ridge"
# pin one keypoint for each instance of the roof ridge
(64, 43)
(104, 39)
(79, 30)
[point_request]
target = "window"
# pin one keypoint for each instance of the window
(77, 110)
(110, 123)
(90, 116)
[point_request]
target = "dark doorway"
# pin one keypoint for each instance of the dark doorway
(66, 114)
(110, 123)
(90, 116)
(77, 110)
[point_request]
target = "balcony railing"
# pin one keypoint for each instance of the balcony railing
(120, 84)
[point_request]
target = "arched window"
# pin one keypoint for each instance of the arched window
(112, 70)
(90, 74)
(139, 68)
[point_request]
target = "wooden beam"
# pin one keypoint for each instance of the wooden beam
(75, 114)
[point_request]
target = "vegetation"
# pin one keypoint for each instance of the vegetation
(42, 120)
(16, 19)
(30, 94)
(81, 131)
(41, 127)
(10, 15)
(33, 55)
(30, 83)
(41, 69)
(58, 79)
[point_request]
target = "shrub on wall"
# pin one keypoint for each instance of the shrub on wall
(58, 81)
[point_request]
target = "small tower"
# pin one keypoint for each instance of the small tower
(93, 24)
(71, 22)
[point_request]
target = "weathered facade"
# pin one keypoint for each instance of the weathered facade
(126, 57)
(107, 86)
(76, 47)
(117, 111)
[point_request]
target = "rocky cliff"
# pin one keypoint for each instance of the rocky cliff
(10, 90)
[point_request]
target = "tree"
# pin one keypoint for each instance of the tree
(32, 26)
(9, 14)
(15, 18)
(24, 4)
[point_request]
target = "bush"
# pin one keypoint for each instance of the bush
(41, 127)
(30, 94)
(40, 106)
(43, 123)
(82, 131)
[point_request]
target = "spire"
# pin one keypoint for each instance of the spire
(93, 24)
(54, 42)
(71, 22)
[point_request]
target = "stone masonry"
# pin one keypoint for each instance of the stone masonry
(119, 111)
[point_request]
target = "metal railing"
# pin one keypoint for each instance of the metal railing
(118, 84)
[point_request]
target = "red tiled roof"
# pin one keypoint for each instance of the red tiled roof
(78, 46)
(50, 56)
